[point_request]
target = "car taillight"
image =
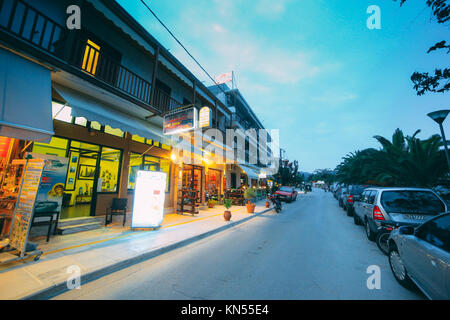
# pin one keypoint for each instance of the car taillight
(377, 215)
(350, 199)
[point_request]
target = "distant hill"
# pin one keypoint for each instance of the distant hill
(306, 174)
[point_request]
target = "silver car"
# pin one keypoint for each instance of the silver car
(421, 255)
(405, 205)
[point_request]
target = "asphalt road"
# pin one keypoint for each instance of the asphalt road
(311, 250)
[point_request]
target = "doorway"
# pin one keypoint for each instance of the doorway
(192, 179)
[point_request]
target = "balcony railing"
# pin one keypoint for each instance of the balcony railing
(23, 21)
(164, 101)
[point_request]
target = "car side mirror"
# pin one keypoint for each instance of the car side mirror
(406, 230)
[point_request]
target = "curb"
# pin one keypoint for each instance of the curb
(61, 287)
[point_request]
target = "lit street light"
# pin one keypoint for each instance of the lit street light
(439, 117)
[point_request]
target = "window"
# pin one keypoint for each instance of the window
(61, 112)
(409, 201)
(56, 147)
(147, 163)
(81, 121)
(96, 126)
(137, 138)
(371, 197)
(90, 59)
(436, 232)
(109, 169)
(114, 132)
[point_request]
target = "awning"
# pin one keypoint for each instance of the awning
(25, 99)
(252, 173)
(96, 110)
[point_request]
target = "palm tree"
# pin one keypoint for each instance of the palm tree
(404, 161)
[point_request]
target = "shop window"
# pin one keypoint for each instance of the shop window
(149, 141)
(109, 170)
(95, 125)
(90, 59)
(61, 112)
(84, 146)
(81, 121)
(147, 163)
(137, 138)
(156, 144)
(134, 167)
(114, 132)
(56, 147)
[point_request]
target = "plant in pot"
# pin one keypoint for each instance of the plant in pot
(248, 195)
(227, 203)
(211, 203)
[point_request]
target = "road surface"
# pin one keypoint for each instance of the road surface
(312, 250)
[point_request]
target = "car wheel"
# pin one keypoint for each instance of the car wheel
(356, 219)
(369, 233)
(398, 269)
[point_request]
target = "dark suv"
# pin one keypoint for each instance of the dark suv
(353, 192)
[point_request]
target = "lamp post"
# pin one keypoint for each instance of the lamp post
(439, 117)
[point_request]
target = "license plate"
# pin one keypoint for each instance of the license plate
(414, 216)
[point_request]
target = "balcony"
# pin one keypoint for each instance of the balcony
(29, 26)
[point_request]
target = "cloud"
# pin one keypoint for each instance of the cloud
(271, 8)
(246, 53)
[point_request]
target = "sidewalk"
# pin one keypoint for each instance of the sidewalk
(102, 251)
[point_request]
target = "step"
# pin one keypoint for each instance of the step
(79, 228)
(81, 220)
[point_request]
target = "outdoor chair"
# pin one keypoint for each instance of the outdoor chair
(118, 207)
(50, 215)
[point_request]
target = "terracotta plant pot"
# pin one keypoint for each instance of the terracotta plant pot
(250, 207)
(210, 205)
(267, 204)
(227, 215)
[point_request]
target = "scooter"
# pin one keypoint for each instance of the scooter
(276, 202)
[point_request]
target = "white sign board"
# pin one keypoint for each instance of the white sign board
(148, 204)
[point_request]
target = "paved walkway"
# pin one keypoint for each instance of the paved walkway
(97, 251)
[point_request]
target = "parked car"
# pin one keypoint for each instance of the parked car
(342, 194)
(353, 192)
(404, 205)
(287, 194)
(336, 190)
(422, 256)
(444, 193)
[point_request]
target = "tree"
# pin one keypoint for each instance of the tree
(404, 161)
(440, 80)
(287, 173)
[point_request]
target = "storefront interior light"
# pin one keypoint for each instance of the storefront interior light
(173, 157)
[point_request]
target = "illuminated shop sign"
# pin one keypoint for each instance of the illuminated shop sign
(149, 196)
(180, 121)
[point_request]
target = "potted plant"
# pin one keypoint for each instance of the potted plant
(250, 194)
(227, 203)
(211, 203)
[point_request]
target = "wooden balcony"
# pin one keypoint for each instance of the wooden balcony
(25, 24)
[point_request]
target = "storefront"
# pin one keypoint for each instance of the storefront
(214, 184)
(192, 179)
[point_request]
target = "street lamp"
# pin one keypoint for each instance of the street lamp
(439, 117)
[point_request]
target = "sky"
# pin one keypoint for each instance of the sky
(312, 68)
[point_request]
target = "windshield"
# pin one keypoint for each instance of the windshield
(286, 189)
(407, 201)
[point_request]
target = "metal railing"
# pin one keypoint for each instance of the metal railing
(164, 102)
(25, 22)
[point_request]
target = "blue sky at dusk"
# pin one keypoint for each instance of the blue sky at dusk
(311, 68)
